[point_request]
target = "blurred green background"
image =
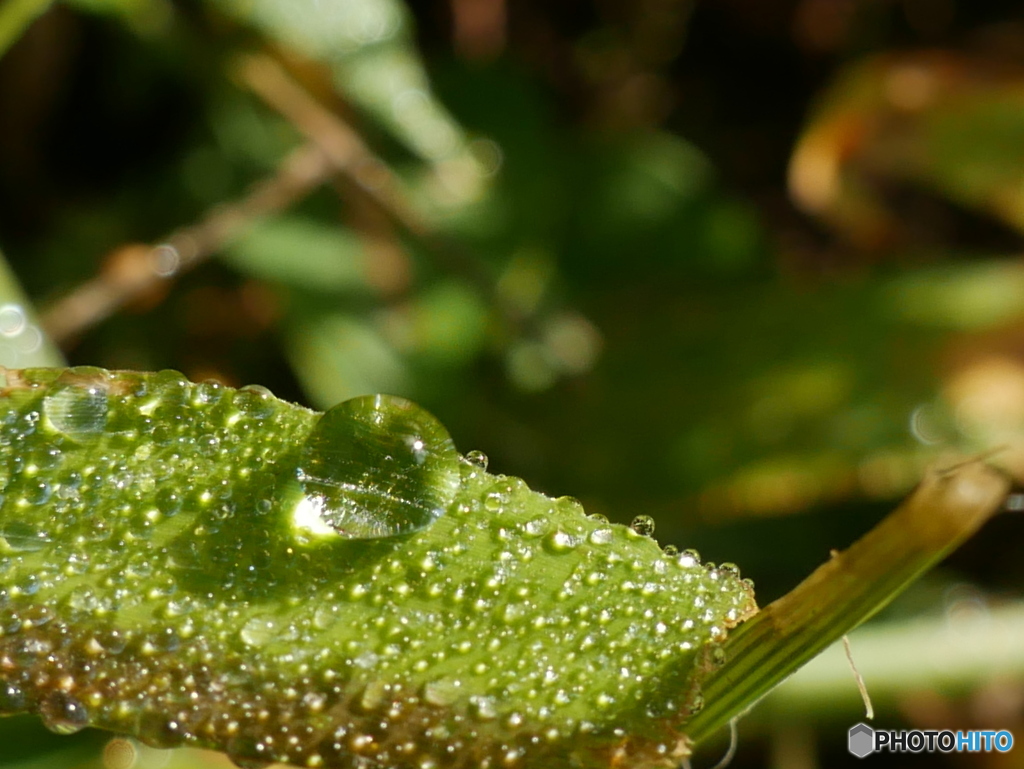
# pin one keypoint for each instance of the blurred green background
(746, 266)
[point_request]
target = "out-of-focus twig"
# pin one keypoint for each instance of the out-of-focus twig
(356, 161)
(532, 329)
(133, 271)
(338, 140)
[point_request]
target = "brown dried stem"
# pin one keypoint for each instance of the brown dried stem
(370, 174)
(134, 271)
(336, 139)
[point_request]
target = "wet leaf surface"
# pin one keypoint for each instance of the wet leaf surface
(164, 573)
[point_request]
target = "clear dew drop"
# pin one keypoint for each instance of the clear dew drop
(643, 525)
(250, 763)
(12, 699)
(602, 536)
(256, 401)
(62, 713)
(22, 537)
(535, 527)
(730, 570)
(442, 692)
(259, 631)
(718, 656)
(378, 466)
(374, 696)
(483, 708)
(77, 405)
(559, 541)
(694, 704)
(689, 559)
(477, 458)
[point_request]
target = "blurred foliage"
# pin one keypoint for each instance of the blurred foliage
(746, 266)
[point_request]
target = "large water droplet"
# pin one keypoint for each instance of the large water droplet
(76, 405)
(378, 466)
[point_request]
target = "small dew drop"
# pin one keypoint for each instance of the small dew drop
(324, 617)
(718, 656)
(22, 537)
(477, 458)
(695, 703)
(366, 660)
(374, 696)
(259, 631)
(689, 559)
(643, 525)
(559, 541)
(601, 536)
(168, 501)
(494, 501)
(243, 761)
(12, 699)
(442, 692)
(259, 390)
(483, 708)
(62, 713)
(570, 505)
(255, 401)
(38, 492)
(535, 527)
(730, 570)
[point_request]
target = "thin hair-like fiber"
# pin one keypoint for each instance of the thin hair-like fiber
(730, 754)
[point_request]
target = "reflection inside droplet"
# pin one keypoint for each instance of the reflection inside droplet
(643, 525)
(477, 459)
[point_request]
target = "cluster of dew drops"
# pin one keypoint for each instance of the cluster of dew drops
(373, 467)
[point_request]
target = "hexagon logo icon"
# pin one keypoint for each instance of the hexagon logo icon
(861, 740)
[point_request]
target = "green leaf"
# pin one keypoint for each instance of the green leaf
(339, 356)
(369, 46)
(16, 16)
(22, 340)
(167, 571)
(303, 253)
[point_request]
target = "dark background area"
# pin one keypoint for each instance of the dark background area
(747, 267)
